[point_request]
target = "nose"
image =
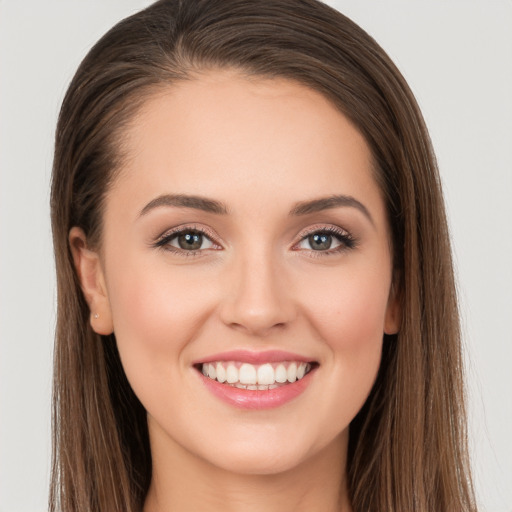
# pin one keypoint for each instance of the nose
(258, 299)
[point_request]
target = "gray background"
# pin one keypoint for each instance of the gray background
(457, 57)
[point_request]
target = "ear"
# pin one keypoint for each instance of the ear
(393, 312)
(92, 280)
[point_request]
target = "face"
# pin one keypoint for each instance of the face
(245, 270)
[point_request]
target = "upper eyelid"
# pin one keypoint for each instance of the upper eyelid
(330, 228)
(215, 238)
(343, 235)
(208, 232)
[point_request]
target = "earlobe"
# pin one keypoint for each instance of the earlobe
(91, 276)
(393, 313)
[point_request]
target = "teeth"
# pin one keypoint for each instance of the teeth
(232, 374)
(248, 376)
(266, 374)
(221, 372)
(292, 372)
(281, 373)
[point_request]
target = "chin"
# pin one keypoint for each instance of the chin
(259, 462)
(270, 454)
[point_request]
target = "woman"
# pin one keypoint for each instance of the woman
(256, 299)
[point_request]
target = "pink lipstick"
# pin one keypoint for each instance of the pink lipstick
(256, 380)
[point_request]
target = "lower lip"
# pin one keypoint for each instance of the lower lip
(257, 399)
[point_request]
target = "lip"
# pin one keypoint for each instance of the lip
(256, 399)
(254, 357)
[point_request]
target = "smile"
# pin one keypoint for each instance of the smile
(256, 381)
(255, 377)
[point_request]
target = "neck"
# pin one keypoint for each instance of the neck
(182, 482)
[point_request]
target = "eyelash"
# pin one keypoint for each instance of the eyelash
(164, 240)
(347, 241)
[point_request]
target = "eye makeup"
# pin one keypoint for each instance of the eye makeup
(192, 240)
(325, 240)
(187, 240)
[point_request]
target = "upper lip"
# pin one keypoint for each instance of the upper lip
(254, 357)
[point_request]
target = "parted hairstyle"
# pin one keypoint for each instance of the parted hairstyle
(407, 445)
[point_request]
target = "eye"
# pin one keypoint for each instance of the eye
(190, 241)
(186, 240)
(329, 240)
(320, 242)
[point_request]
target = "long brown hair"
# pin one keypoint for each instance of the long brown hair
(407, 447)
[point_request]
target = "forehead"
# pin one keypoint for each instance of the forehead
(238, 139)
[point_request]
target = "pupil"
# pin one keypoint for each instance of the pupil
(190, 241)
(320, 241)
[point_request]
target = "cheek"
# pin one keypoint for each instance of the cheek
(156, 312)
(348, 312)
(348, 309)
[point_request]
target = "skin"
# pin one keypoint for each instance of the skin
(259, 147)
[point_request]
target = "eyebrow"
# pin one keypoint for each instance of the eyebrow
(212, 206)
(327, 203)
(186, 201)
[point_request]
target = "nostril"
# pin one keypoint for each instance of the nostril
(257, 326)
(257, 304)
